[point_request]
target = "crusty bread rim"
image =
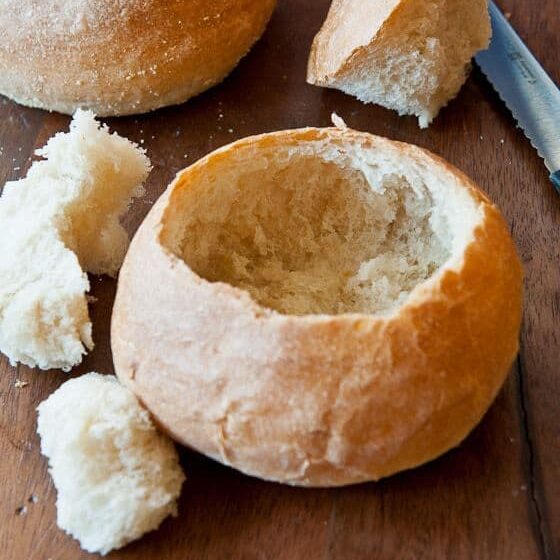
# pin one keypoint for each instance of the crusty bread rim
(421, 293)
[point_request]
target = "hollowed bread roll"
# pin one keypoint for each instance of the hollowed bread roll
(120, 57)
(319, 307)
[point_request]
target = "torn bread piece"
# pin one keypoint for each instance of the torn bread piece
(411, 56)
(116, 476)
(56, 224)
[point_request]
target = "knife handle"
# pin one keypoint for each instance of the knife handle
(555, 178)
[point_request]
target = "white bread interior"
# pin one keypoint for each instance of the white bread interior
(116, 477)
(56, 224)
(412, 56)
(331, 307)
(355, 239)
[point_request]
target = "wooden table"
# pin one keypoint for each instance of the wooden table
(496, 497)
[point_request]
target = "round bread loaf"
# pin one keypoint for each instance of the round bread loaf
(319, 307)
(122, 57)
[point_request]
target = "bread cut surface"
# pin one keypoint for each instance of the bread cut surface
(332, 307)
(412, 56)
(56, 224)
(122, 57)
(116, 477)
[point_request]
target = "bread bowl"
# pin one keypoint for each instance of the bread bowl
(122, 57)
(411, 56)
(319, 307)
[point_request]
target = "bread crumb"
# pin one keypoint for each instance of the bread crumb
(33, 499)
(21, 510)
(338, 122)
(19, 384)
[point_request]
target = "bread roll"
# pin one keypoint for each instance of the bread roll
(120, 57)
(412, 56)
(319, 307)
(56, 224)
(116, 477)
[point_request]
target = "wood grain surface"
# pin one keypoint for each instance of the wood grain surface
(495, 497)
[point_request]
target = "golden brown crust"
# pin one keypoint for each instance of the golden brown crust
(124, 56)
(318, 400)
(337, 44)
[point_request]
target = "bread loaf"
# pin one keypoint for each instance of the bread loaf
(412, 56)
(56, 224)
(119, 57)
(331, 307)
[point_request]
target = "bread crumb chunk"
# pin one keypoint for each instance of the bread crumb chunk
(56, 224)
(116, 476)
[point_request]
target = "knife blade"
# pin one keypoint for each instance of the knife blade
(527, 90)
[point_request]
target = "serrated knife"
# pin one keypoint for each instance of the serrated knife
(527, 90)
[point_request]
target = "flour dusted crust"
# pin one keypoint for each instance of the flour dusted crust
(122, 56)
(319, 399)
